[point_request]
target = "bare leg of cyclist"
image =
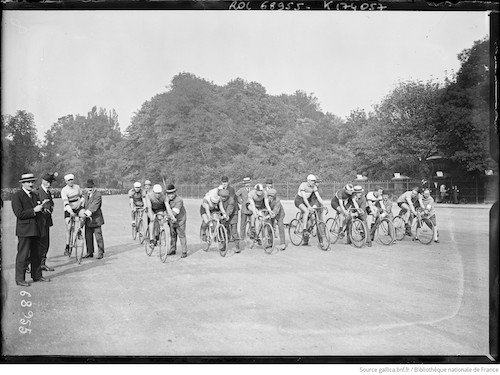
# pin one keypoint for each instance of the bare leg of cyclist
(204, 227)
(305, 216)
(67, 221)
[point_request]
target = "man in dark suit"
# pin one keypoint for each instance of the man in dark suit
(246, 213)
(94, 221)
(27, 206)
(233, 224)
(45, 221)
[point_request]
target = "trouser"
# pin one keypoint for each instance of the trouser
(178, 230)
(278, 220)
(89, 239)
(27, 248)
(243, 223)
(43, 244)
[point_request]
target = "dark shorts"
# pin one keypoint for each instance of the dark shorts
(312, 200)
(66, 213)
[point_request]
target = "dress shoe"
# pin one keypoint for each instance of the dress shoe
(47, 268)
(41, 279)
(100, 256)
(184, 255)
(171, 253)
(22, 283)
(88, 256)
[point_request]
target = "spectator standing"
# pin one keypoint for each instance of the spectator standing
(94, 220)
(442, 192)
(233, 224)
(177, 222)
(44, 194)
(246, 213)
(26, 207)
(230, 206)
(279, 212)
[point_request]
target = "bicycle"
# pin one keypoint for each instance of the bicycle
(265, 233)
(314, 227)
(357, 229)
(76, 241)
(384, 229)
(137, 227)
(215, 233)
(159, 238)
(423, 227)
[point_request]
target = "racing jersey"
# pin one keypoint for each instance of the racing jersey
(157, 204)
(259, 201)
(136, 197)
(213, 193)
(308, 190)
(407, 195)
(343, 195)
(72, 197)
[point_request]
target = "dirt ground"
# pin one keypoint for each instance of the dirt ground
(404, 299)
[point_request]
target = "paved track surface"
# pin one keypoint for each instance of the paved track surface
(405, 299)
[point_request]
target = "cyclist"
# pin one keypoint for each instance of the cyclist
(428, 207)
(73, 201)
(279, 215)
(375, 207)
(177, 222)
(269, 184)
(409, 201)
(210, 205)
(233, 227)
(341, 202)
(231, 208)
(155, 204)
(147, 187)
(258, 201)
(306, 199)
(137, 199)
(359, 201)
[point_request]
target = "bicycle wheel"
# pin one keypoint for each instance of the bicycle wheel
(386, 232)
(222, 239)
(134, 229)
(71, 239)
(333, 228)
(358, 233)
(399, 227)
(295, 232)
(147, 246)
(267, 237)
(425, 232)
(323, 238)
(79, 246)
(162, 244)
(139, 231)
(205, 243)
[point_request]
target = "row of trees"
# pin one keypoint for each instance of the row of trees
(196, 131)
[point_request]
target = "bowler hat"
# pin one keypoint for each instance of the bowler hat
(49, 177)
(171, 189)
(224, 179)
(90, 183)
(223, 193)
(27, 177)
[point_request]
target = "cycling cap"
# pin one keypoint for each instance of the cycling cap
(246, 179)
(215, 199)
(259, 187)
(157, 189)
(137, 184)
(358, 189)
(147, 182)
(69, 177)
(349, 188)
(311, 177)
(271, 192)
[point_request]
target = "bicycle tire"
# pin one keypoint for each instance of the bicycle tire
(385, 232)
(425, 232)
(139, 231)
(399, 227)
(79, 247)
(267, 238)
(323, 237)
(295, 232)
(333, 228)
(248, 233)
(358, 233)
(163, 246)
(134, 230)
(222, 239)
(147, 246)
(71, 239)
(205, 244)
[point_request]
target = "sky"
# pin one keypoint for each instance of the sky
(56, 63)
